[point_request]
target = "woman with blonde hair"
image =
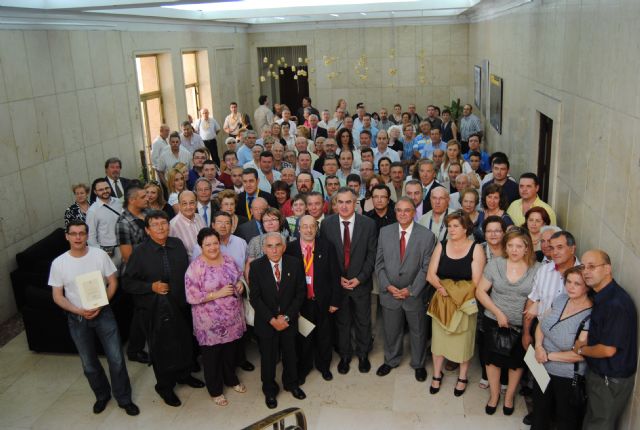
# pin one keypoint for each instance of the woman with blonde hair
(155, 197)
(176, 182)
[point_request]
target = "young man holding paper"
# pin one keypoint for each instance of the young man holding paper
(77, 279)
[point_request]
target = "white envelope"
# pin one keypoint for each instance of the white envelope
(305, 327)
(537, 369)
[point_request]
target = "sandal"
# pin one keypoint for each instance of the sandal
(432, 389)
(220, 400)
(457, 392)
(240, 388)
(484, 384)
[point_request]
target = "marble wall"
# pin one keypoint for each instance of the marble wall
(430, 63)
(68, 101)
(578, 60)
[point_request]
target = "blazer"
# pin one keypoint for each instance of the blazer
(123, 181)
(241, 207)
(248, 230)
(409, 273)
(326, 276)
(364, 236)
(426, 202)
(269, 300)
(320, 132)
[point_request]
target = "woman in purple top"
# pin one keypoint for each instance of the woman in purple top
(214, 289)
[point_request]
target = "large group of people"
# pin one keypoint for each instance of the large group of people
(323, 218)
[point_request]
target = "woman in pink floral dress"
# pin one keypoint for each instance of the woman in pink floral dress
(214, 290)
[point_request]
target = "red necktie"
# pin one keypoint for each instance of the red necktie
(346, 244)
(403, 245)
(277, 273)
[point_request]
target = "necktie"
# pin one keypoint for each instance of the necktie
(249, 202)
(166, 266)
(204, 215)
(346, 244)
(403, 245)
(276, 269)
(307, 268)
(118, 190)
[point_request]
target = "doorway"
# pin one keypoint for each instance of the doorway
(293, 88)
(284, 75)
(544, 155)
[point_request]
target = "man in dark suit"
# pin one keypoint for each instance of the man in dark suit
(112, 168)
(253, 227)
(277, 290)
(402, 260)
(315, 131)
(427, 177)
(306, 103)
(245, 199)
(354, 238)
(322, 299)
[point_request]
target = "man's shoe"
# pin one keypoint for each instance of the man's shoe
(363, 365)
(421, 374)
(327, 375)
(528, 419)
(100, 405)
(169, 397)
(450, 366)
(195, 367)
(343, 366)
(302, 380)
(192, 382)
(247, 366)
(383, 370)
(131, 409)
(140, 357)
(298, 393)
(271, 402)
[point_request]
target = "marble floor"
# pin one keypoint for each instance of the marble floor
(49, 391)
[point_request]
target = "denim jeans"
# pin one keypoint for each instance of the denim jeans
(84, 332)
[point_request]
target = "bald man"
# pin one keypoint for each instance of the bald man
(186, 224)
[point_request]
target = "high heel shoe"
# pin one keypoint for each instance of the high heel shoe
(508, 410)
(459, 393)
(434, 390)
(490, 410)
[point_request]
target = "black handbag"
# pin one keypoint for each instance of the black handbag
(503, 339)
(578, 394)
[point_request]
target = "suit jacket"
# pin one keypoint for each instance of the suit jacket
(123, 181)
(364, 237)
(269, 300)
(426, 203)
(320, 132)
(248, 230)
(409, 273)
(241, 207)
(326, 276)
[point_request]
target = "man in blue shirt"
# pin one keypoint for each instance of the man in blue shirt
(244, 152)
(474, 145)
(611, 349)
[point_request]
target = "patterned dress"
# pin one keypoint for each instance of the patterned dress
(217, 321)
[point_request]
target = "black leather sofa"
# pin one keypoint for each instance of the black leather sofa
(45, 323)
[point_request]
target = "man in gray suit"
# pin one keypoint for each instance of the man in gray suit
(402, 260)
(354, 239)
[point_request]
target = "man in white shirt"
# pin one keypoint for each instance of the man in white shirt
(188, 139)
(382, 149)
(434, 219)
(326, 119)
(286, 117)
(159, 144)
(175, 153)
(208, 128)
(102, 217)
(266, 174)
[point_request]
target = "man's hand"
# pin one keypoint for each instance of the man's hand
(332, 309)
(531, 312)
(578, 344)
(279, 323)
(91, 313)
(160, 287)
(352, 283)
(240, 288)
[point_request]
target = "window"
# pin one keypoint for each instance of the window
(191, 83)
(150, 98)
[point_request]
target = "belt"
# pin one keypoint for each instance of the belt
(609, 379)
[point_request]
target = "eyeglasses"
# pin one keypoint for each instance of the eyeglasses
(589, 267)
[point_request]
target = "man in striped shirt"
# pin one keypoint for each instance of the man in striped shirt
(469, 124)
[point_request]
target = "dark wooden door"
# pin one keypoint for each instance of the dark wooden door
(293, 90)
(544, 155)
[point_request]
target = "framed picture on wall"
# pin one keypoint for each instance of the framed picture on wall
(495, 102)
(484, 87)
(477, 86)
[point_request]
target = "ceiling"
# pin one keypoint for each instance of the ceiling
(252, 12)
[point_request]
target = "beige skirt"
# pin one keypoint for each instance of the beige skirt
(456, 347)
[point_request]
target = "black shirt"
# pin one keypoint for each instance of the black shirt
(145, 266)
(614, 322)
(382, 221)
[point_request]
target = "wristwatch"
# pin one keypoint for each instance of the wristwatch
(579, 351)
(286, 318)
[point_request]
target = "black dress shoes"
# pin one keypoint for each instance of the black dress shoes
(140, 357)
(327, 375)
(247, 366)
(298, 393)
(192, 382)
(421, 374)
(383, 370)
(363, 365)
(131, 409)
(343, 366)
(528, 419)
(169, 397)
(100, 405)
(271, 402)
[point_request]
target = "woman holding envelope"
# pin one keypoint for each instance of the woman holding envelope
(567, 320)
(214, 288)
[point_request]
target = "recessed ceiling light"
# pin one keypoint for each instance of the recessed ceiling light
(279, 17)
(334, 14)
(362, 13)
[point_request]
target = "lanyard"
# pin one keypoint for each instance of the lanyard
(308, 263)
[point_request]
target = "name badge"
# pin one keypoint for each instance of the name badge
(309, 280)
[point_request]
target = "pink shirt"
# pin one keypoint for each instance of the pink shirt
(186, 230)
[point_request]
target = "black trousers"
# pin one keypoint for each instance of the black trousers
(212, 146)
(355, 311)
(281, 342)
(137, 337)
(555, 399)
(218, 362)
(315, 348)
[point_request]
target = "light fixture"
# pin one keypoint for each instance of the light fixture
(334, 14)
(279, 17)
(363, 14)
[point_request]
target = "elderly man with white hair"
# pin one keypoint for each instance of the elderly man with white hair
(434, 219)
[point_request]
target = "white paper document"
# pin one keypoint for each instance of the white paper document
(537, 369)
(305, 327)
(93, 293)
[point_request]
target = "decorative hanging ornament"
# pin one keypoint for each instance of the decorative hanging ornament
(265, 60)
